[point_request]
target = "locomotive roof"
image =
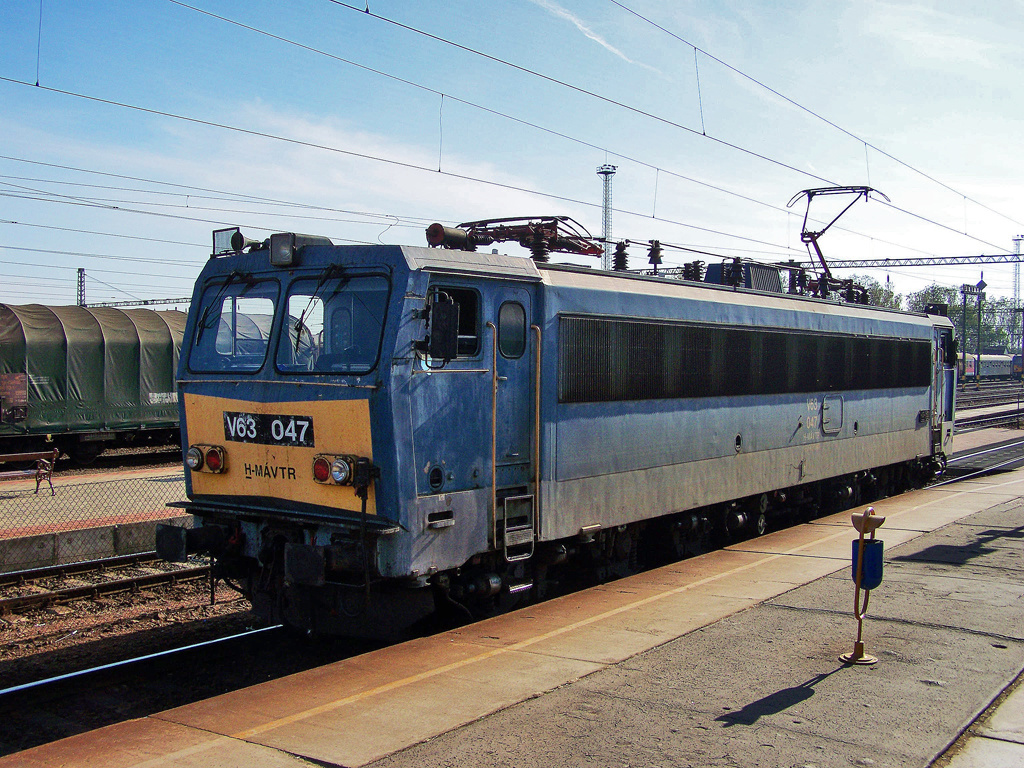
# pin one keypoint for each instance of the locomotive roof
(625, 282)
(504, 266)
(471, 263)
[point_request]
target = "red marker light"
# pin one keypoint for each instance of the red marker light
(321, 470)
(213, 460)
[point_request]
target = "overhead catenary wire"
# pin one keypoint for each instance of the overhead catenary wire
(651, 115)
(376, 218)
(119, 235)
(64, 266)
(106, 201)
(813, 113)
(411, 83)
(191, 189)
(366, 156)
(581, 142)
(586, 203)
(490, 110)
(68, 200)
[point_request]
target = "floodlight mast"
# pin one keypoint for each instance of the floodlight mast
(809, 237)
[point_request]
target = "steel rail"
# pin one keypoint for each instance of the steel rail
(17, 578)
(977, 473)
(128, 662)
(991, 420)
(986, 451)
(69, 594)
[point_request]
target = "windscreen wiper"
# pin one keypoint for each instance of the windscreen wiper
(234, 276)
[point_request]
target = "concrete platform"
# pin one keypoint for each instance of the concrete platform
(89, 517)
(964, 441)
(730, 658)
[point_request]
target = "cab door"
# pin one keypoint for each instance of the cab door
(944, 386)
(514, 344)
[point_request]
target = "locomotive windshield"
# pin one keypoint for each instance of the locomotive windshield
(335, 324)
(235, 317)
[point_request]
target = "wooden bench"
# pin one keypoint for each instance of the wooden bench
(45, 461)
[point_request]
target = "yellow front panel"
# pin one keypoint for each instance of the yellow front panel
(279, 471)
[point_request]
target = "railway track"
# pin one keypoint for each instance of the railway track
(55, 707)
(120, 459)
(996, 458)
(990, 393)
(53, 585)
(966, 422)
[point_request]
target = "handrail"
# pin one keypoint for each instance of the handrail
(536, 431)
(494, 433)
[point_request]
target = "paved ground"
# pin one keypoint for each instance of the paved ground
(729, 659)
(764, 686)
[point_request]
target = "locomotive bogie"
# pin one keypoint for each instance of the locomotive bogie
(473, 429)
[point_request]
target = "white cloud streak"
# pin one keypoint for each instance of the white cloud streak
(558, 11)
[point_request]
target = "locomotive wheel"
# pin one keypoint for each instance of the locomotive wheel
(759, 515)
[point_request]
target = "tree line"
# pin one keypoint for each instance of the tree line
(1000, 323)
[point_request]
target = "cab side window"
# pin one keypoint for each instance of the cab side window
(468, 302)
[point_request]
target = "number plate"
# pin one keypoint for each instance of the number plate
(268, 429)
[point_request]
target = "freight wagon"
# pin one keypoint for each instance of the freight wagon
(83, 379)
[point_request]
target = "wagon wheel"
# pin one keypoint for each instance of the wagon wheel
(85, 453)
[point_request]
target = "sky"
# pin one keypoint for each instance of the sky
(130, 129)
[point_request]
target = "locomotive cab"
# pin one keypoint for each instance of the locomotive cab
(344, 434)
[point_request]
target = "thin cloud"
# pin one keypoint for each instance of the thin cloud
(929, 35)
(556, 10)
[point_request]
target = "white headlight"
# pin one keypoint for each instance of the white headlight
(194, 458)
(340, 471)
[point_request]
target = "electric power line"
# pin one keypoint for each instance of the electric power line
(651, 115)
(560, 134)
(811, 112)
(364, 156)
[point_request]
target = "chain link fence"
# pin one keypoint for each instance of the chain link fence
(85, 519)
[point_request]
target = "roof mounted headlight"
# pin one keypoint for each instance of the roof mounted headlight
(282, 249)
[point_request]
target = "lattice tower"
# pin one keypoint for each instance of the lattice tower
(606, 171)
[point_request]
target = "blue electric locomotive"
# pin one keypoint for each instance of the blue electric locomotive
(418, 427)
